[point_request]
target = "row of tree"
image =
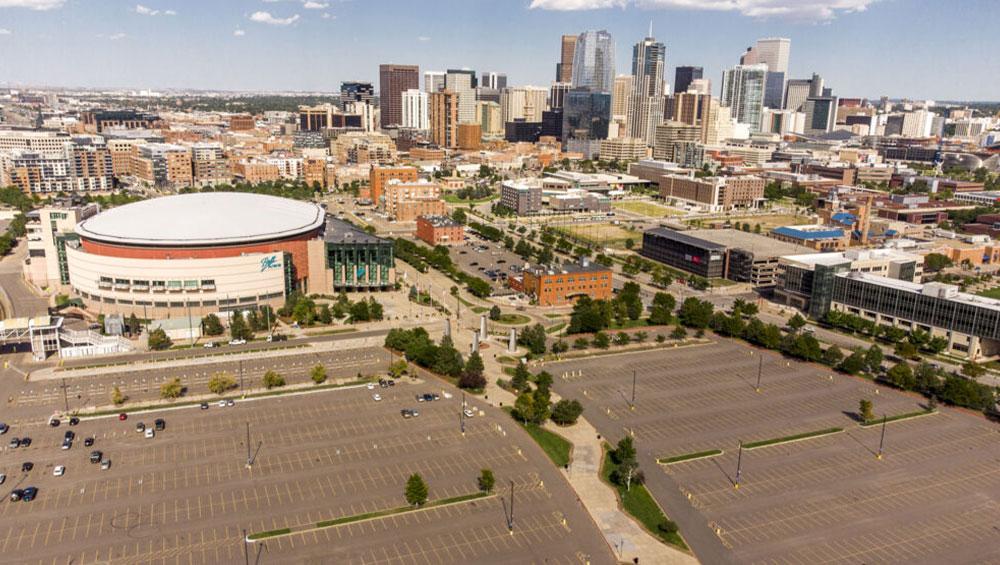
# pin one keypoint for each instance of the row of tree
(439, 257)
(441, 358)
(534, 406)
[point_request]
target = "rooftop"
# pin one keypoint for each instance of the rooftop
(946, 291)
(567, 268)
(759, 245)
(809, 232)
(339, 231)
(440, 221)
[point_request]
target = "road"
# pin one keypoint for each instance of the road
(19, 298)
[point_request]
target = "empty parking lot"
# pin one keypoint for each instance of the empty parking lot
(933, 498)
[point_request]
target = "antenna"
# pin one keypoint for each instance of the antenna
(650, 29)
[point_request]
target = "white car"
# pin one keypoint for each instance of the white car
(222, 404)
(468, 413)
(150, 433)
(376, 397)
(230, 403)
(3, 478)
(59, 471)
(370, 386)
(238, 342)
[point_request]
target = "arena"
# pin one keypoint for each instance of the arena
(210, 252)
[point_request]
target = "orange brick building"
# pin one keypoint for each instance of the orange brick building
(242, 122)
(379, 176)
(469, 136)
(405, 201)
(559, 286)
(440, 230)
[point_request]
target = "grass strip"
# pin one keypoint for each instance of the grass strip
(689, 456)
(188, 357)
(796, 437)
(554, 445)
(270, 534)
(638, 503)
(480, 309)
(331, 332)
(896, 418)
(556, 328)
(513, 319)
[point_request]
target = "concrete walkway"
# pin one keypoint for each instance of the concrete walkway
(627, 538)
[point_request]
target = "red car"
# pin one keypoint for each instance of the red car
(123, 416)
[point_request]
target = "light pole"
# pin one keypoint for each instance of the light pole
(632, 405)
(881, 441)
(760, 369)
(739, 466)
(243, 392)
(249, 460)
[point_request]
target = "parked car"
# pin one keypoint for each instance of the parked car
(3, 428)
(222, 404)
(140, 427)
(376, 397)
(105, 464)
(123, 416)
(25, 442)
(237, 342)
(74, 421)
(160, 424)
(59, 471)
(468, 413)
(3, 478)
(69, 435)
(406, 413)
(277, 337)
(27, 466)
(54, 422)
(230, 402)
(209, 345)
(88, 442)
(204, 406)
(150, 433)
(29, 494)
(66, 444)
(16, 494)
(95, 456)
(14, 443)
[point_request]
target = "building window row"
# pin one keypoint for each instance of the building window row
(140, 285)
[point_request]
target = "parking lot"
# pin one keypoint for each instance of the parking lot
(934, 497)
(481, 258)
(187, 495)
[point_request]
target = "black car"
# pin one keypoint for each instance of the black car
(95, 456)
(429, 397)
(14, 443)
(160, 424)
(474, 264)
(54, 422)
(88, 442)
(29, 494)
(69, 436)
(74, 421)
(27, 466)
(391, 382)
(3, 428)
(204, 406)
(25, 441)
(16, 494)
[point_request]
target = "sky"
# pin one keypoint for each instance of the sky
(919, 49)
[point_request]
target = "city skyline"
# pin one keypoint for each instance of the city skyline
(309, 45)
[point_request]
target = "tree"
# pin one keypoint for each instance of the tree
(973, 370)
(447, 360)
(906, 350)
(519, 381)
(318, 374)
(601, 340)
(874, 358)
(624, 456)
(631, 299)
(486, 480)
(935, 262)
(832, 356)
(524, 406)
(238, 328)
(901, 375)
(172, 389)
(640, 337)
(629, 243)
(397, 369)
(853, 364)
(219, 383)
(495, 313)
(158, 340)
(543, 380)
(678, 332)
(459, 216)
(796, 323)
(865, 410)
(565, 412)
(211, 325)
(937, 344)
(472, 374)
(534, 339)
(662, 309)
(117, 397)
(695, 313)
(559, 346)
(273, 379)
(541, 407)
(325, 315)
(416, 490)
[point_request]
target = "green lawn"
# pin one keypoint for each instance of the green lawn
(554, 445)
(647, 209)
(628, 324)
(896, 418)
(639, 504)
(450, 198)
(513, 319)
(796, 437)
(556, 328)
(990, 293)
(689, 456)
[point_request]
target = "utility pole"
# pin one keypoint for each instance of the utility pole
(246, 551)
(881, 442)
(632, 405)
(248, 445)
(739, 466)
(65, 396)
(760, 369)
(510, 523)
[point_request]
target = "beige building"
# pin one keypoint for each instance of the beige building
(210, 165)
(623, 149)
(47, 231)
(404, 201)
(716, 193)
(162, 165)
(490, 119)
(670, 133)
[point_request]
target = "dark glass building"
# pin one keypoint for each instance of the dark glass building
(691, 254)
(683, 77)
(520, 130)
(359, 260)
(586, 115)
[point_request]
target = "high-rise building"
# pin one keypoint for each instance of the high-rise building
(469, 136)
(594, 61)
(645, 110)
(393, 80)
(557, 93)
(586, 117)
(443, 114)
(821, 114)
(433, 81)
(700, 86)
(621, 94)
(564, 68)
(414, 110)
(773, 52)
(462, 82)
(523, 102)
(743, 93)
(683, 77)
(798, 90)
(356, 91)
(379, 177)
(488, 115)
(496, 81)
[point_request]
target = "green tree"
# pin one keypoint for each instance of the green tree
(495, 313)
(486, 480)
(211, 325)
(631, 299)
(158, 340)
(533, 338)
(935, 262)
(325, 315)
(973, 370)
(117, 397)
(472, 374)
(874, 358)
(541, 405)
(447, 359)
(272, 379)
(796, 323)
(624, 457)
(622, 338)
(220, 382)
(678, 332)
(459, 216)
(519, 381)
(629, 243)
(901, 375)
(559, 346)
(662, 309)
(695, 313)
(865, 410)
(171, 389)
(397, 369)
(906, 350)
(524, 406)
(589, 316)
(318, 374)
(853, 364)
(416, 490)
(601, 340)
(937, 344)
(238, 328)
(832, 356)
(565, 412)
(543, 380)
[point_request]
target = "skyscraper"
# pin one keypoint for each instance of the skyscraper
(821, 114)
(683, 77)
(594, 61)
(495, 81)
(773, 52)
(355, 91)
(443, 114)
(645, 110)
(463, 83)
(393, 80)
(743, 93)
(586, 116)
(414, 110)
(557, 92)
(564, 68)
(433, 81)
(800, 89)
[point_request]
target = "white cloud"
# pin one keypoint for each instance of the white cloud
(239, 33)
(310, 5)
(807, 10)
(267, 18)
(328, 16)
(147, 11)
(423, 38)
(32, 4)
(112, 37)
(5, 31)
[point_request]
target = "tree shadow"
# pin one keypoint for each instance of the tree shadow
(853, 415)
